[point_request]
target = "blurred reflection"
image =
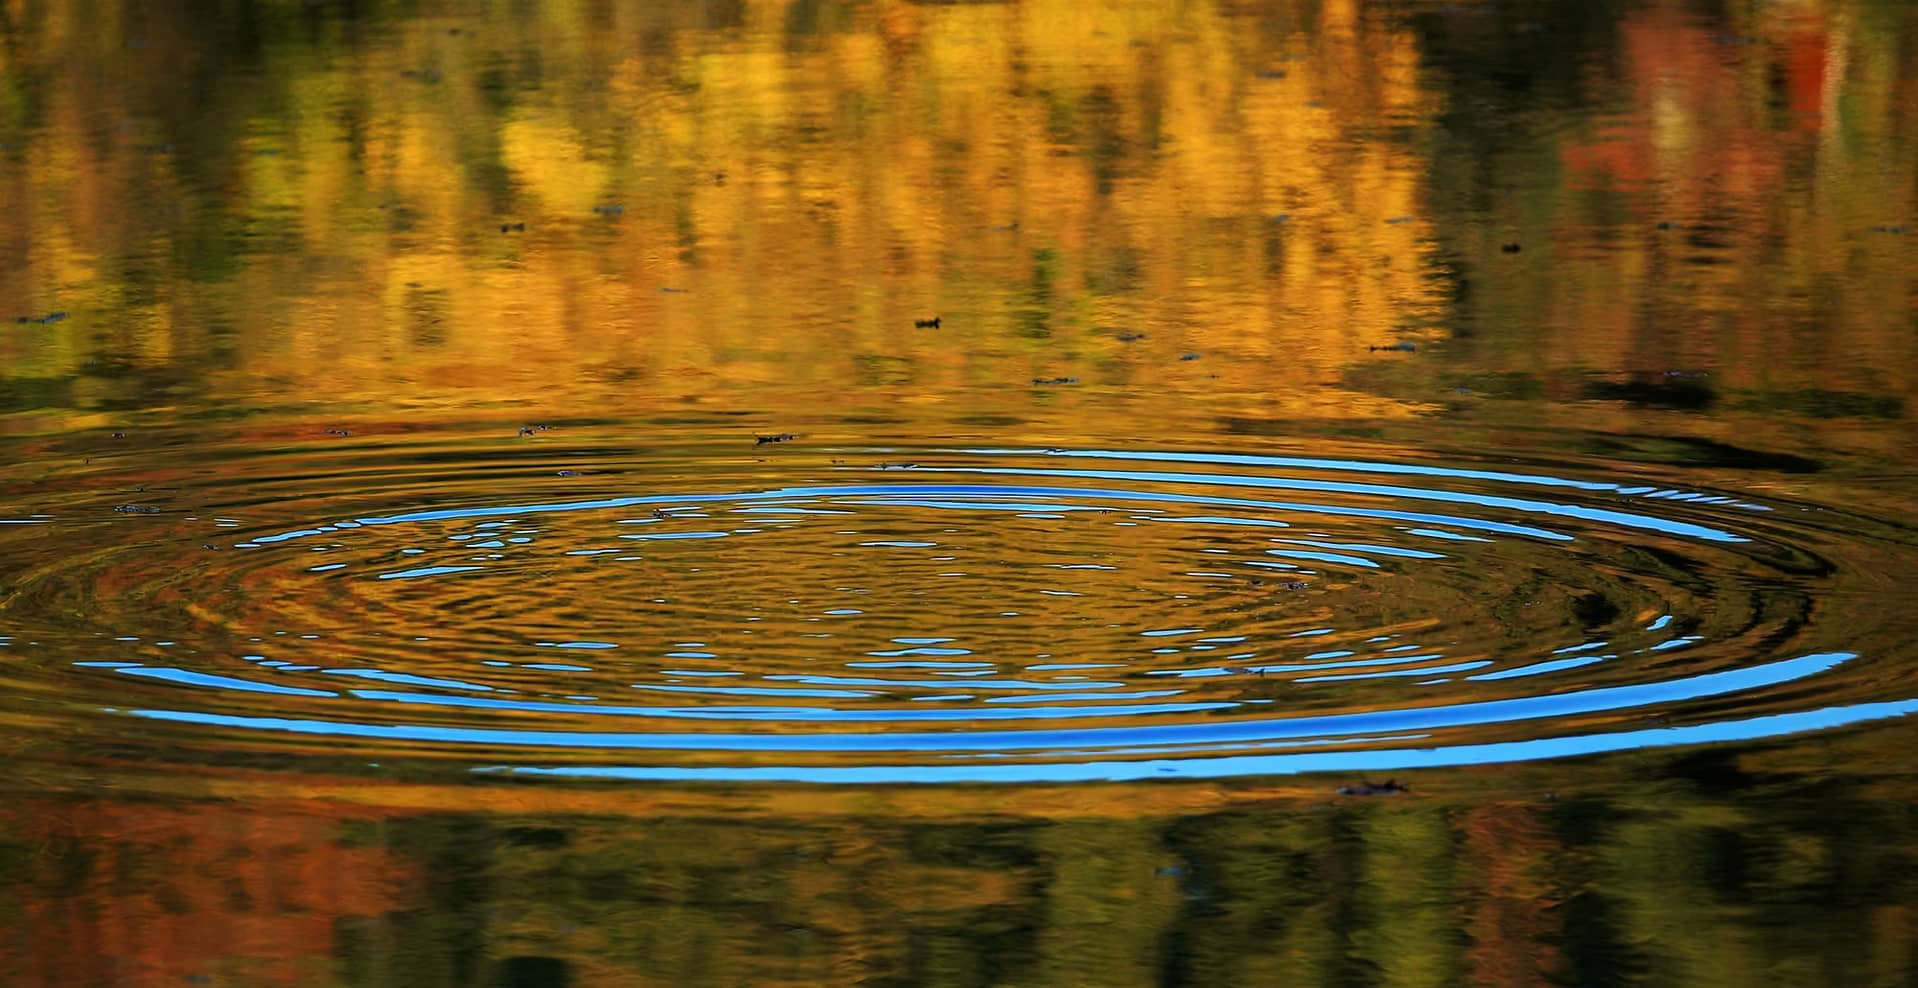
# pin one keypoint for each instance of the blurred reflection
(1722, 872)
(631, 206)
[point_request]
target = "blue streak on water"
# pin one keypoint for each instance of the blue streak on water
(1602, 515)
(981, 684)
(1413, 719)
(1083, 697)
(187, 678)
(1383, 550)
(1311, 463)
(1433, 533)
(980, 505)
(788, 692)
(413, 574)
(919, 665)
(1536, 668)
(405, 679)
(1323, 557)
(1426, 671)
(1391, 759)
(1224, 520)
(967, 490)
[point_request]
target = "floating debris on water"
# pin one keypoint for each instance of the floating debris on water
(1395, 348)
(932, 323)
(784, 437)
(136, 509)
(1389, 787)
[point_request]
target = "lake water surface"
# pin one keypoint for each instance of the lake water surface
(1044, 493)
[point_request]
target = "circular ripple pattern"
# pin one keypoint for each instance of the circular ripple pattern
(926, 615)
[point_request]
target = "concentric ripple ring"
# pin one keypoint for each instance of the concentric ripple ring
(958, 614)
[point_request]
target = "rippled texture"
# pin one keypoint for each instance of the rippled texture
(807, 611)
(923, 493)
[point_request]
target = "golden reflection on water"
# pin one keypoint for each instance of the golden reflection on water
(1626, 221)
(748, 205)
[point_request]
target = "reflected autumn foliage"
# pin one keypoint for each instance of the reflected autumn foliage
(1679, 232)
(631, 207)
(1707, 871)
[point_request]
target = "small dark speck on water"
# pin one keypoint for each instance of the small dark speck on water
(1890, 229)
(51, 317)
(1046, 381)
(1396, 220)
(1511, 248)
(1131, 337)
(1396, 348)
(136, 509)
(119, 435)
(783, 437)
(1188, 356)
(932, 323)
(339, 432)
(527, 430)
(512, 228)
(569, 473)
(1389, 787)
(613, 210)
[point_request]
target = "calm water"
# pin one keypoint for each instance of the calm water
(1044, 493)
